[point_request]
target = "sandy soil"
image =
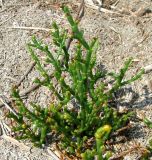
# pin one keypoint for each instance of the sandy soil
(123, 35)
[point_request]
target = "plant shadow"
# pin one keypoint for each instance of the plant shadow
(130, 99)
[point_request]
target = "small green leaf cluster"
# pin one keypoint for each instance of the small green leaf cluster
(101, 136)
(31, 124)
(149, 124)
(92, 116)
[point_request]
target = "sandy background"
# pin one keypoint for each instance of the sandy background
(124, 33)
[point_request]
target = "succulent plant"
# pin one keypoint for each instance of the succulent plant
(93, 117)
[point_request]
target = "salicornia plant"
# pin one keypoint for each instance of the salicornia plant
(81, 128)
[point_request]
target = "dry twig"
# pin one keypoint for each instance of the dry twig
(135, 148)
(28, 28)
(51, 153)
(121, 130)
(103, 9)
(15, 142)
(26, 73)
(7, 106)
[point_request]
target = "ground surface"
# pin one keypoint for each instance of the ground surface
(123, 35)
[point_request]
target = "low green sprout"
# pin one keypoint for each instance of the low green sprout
(149, 124)
(92, 117)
